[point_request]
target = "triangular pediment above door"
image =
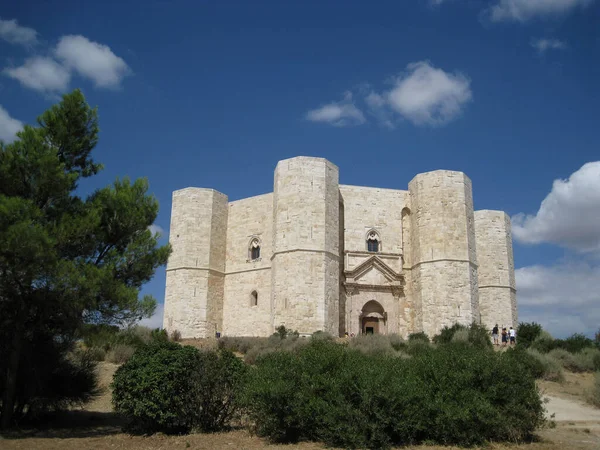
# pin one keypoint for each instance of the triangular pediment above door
(373, 271)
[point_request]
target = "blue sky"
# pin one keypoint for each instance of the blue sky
(214, 93)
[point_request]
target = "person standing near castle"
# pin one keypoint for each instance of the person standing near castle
(495, 334)
(513, 336)
(504, 337)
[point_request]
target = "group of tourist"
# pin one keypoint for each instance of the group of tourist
(510, 334)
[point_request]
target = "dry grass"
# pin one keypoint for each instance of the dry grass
(560, 438)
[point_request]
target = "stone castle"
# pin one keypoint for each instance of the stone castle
(317, 255)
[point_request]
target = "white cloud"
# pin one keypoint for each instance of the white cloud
(8, 126)
(426, 95)
(541, 45)
(156, 229)
(569, 215)
(14, 33)
(423, 95)
(563, 298)
(377, 107)
(42, 74)
(92, 60)
(339, 114)
(156, 321)
(523, 10)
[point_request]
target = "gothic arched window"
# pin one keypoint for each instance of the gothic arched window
(373, 242)
(254, 250)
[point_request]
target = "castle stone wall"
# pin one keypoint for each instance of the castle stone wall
(497, 289)
(196, 269)
(439, 262)
(305, 265)
(248, 219)
(444, 271)
(368, 208)
(240, 317)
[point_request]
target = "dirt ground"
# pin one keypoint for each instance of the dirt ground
(574, 387)
(96, 427)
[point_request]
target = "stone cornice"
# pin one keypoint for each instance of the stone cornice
(497, 286)
(366, 253)
(206, 269)
(397, 290)
(307, 250)
(254, 269)
(218, 272)
(445, 259)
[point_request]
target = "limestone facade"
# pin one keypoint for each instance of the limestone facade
(316, 255)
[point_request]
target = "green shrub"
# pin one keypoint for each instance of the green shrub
(461, 335)
(550, 368)
(272, 344)
(254, 347)
(576, 343)
(587, 360)
(480, 337)
(565, 359)
(159, 335)
(397, 342)
(98, 335)
(475, 334)
(96, 353)
(539, 365)
(240, 344)
(593, 396)
(218, 383)
(545, 342)
(282, 332)
(372, 344)
(120, 353)
(106, 337)
(417, 347)
(532, 361)
(256, 352)
(544, 335)
(447, 333)
(573, 344)
(321, 336)
(421, 336)
(337, 395)
(172, 388)
(527, 333)
(175, 336)
(594, 355)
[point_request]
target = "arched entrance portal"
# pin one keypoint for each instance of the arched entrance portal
(373, 318)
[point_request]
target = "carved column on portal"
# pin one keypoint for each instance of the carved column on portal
(351, 325)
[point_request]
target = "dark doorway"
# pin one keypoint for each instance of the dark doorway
(372, 318)
(370, 325)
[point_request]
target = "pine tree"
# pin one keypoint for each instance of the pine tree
(65, 260)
